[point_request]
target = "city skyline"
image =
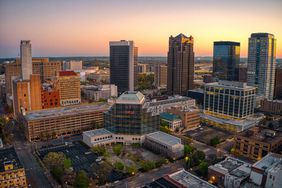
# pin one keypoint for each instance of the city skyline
(84, 28)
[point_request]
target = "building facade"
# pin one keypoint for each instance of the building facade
(278, 84)
(64, 121)
(26, 59)
(160, 79)
(257, 143)
(174, 122)
(271, 106)
(12, 172)
(226, 59)
(129, 116)
(229, 99)
(69, 88)
(262, 63)
(48, 70)
(180, 60)
(243, 73)
(122, 65)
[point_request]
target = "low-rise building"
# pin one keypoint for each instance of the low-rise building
(174, 122)
(179, 179)
(271, 106)
(257, 142)
(96, 93)
(164, 144)
(190, 117)
(229, 173)
(157, 107)
(12, 173)
(268, 171)
(63, 121)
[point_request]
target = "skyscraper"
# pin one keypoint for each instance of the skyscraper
(226, 59)
(262, 63)
(122, 65)
(26, 59)
(180, 72)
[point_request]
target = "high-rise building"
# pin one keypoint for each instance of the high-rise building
(160, 75)
(122, 65)
(262, 63)
(72, 65)
(48, 70)
(278, 84)
(26, 59)
(26, 94)
(243, 73)
(69, 88)
(180, 71)
(226, 59)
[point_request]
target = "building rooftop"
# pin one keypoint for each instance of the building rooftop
(232, 166)
(164, 138)
(97, 132)
(131, 97)
(227, 43)
(231, 85)
(262, 134)
(169, 116)
(187, 179)
(9, 156)
(67, 73)
(270, 161)
(174, 99)
(262, 35)
(64, 111)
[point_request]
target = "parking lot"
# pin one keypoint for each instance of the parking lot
(205, 133)
(81, 156)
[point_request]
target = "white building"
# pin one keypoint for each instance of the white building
(99, 92)
(268, 171)
(229, 173)
(157, 107)
(26, 59)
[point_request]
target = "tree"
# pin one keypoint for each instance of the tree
(203, 168)
(119, 166)
(81, 180)
(54, 159)
(131, 169)
(57, 172)
(99, 149)
(214, 141)
(197, 156)
(188, 149)
(147, 165)
(117, 149)
(67, 163)
(160, 162)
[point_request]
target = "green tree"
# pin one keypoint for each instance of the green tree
(117, 149)
(67, 163)
(203, 168)
(81, 180)
(188, 149)
(214, 141)
(119, 166)
(131, 170)
(57, 172)
(147, 165)
(54, 159)
(100, 150)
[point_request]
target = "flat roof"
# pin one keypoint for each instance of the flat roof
(269, 161)
(173, 99)
(189, 180)
(64, 111)
(169, 116)
(231, 85)
(164, 138)
(97, 132)
(241, 123)
(9, 155)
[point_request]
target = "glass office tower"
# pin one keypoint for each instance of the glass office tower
(226, 59)
(129, 116)
(262, 63)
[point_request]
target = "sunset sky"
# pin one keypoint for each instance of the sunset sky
(85, 27)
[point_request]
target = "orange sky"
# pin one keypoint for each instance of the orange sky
(85, 27)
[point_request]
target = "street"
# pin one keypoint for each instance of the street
(142, 179)
(34, 173)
